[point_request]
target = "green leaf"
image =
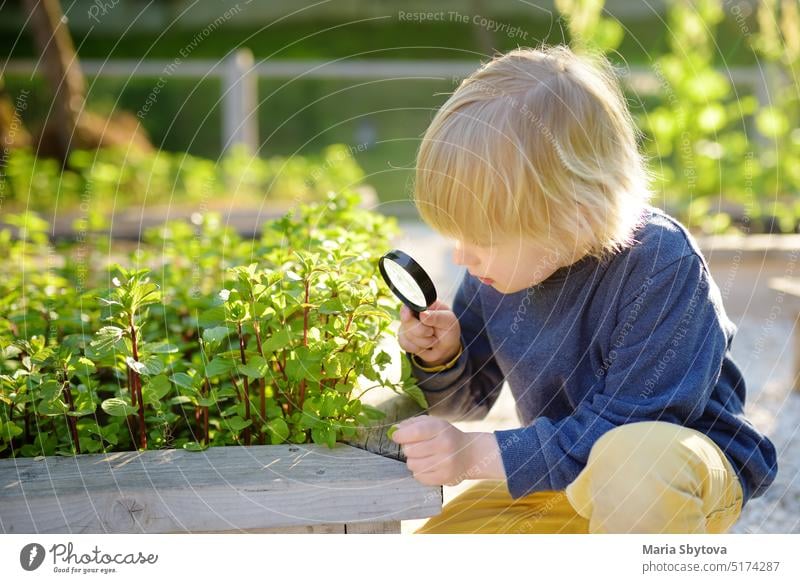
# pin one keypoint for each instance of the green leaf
(255, 368)
(135, 365)
(297, 369)
(180, 400)
(9, 430)
(108, 338)
(278, 430)
(236, 423)
(215, 317)
(153, 366)
(182, 380)
(86, 364)
(372, 412)
(216, 334)
(416, 393)
(162, 348)
(330, 437)
(158, 387)
(117, 407)
(319, 434)
(370, 310)
(220, 366)
(278, 340)
(383, 359)
(331, 306)
(194, 446)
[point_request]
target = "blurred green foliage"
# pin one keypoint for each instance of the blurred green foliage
(112, 177)
(722, 155)
(720, 159)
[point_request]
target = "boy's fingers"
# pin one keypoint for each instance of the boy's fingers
(438, 318)
(411, 346)
(438, 305)
(425, 342)
(421, 330)
(419, 449)
(415, 429)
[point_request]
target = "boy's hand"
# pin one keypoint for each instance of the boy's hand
(438, 453)
(435, 338)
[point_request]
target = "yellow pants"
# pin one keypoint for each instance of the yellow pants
(645, 477)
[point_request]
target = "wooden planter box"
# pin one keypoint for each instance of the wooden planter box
(759, 275)
(304, 488)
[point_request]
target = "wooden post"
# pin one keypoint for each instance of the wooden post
(790, 287)
(62, 71)
(239, 101)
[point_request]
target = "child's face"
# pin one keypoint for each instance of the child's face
(509, 267)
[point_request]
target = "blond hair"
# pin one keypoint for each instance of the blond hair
(538, 144)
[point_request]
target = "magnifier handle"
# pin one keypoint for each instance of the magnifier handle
(415, 314)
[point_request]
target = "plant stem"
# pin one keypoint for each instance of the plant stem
(261, 384)
(205, 414)
(130, 386)
(302, 395)
(246, 384)
(236, 388)
(71, 422)
(137, 387)
(197, 417)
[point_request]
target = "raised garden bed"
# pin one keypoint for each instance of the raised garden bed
(217, 369)
(303, 488)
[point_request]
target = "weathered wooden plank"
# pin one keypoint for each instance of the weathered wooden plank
(220, 489)
(790, 288)
(389, 527)
(308, 529)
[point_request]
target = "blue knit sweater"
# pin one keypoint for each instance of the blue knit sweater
(640, 336)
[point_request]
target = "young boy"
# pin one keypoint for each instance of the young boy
(596, 307)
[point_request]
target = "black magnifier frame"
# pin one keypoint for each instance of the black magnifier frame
(419, 275)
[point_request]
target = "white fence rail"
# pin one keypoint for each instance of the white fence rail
(239, 73)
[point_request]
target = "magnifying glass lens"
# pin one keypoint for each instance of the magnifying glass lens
(404, 282)
(406, 278)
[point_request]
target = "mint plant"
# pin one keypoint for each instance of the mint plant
(198, 338)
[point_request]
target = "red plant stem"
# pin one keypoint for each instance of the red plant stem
(137, 383)
(302, 395)
(305, 317)
(281, 368)
(349, 321)
(197, 415)
(11, 439)
(261, 384)
(71, 422)
(287, 401)
(236, 388)
(131, 389)
(205, 413)
(246, 383)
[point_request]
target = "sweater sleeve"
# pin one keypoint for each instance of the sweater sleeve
(467, 390)
(662, 362)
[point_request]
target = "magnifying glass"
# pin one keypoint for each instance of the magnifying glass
(409, 282)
